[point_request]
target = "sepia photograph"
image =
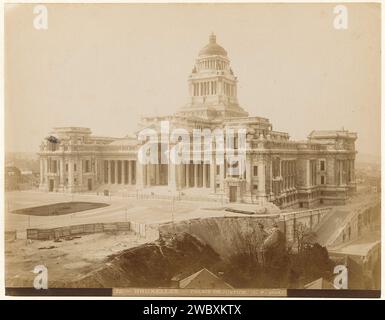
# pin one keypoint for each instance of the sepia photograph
(192, 149)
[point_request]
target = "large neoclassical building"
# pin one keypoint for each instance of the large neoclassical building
(287, 173)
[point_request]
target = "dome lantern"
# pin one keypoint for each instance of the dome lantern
(212, 48)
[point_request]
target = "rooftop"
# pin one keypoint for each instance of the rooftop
(203, 279)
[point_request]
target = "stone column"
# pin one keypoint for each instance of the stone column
(41, 171)
(271, 177)
(46, 169)
(208, 176)
(124, 173)
(187, 175)
(248, 196)
(101, 171)
(157, 174)
(110, 173)
(196, 175)
(95, 169)
(261, 179)
(248, 167)
(221, 176)
(130, 172)
(148, 174)
(61, 172)
(204, 175)
(213, 171)
(70, 173)
(115, 173)
(201, 175)
(105, 171)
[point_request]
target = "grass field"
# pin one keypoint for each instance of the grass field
(60, 208)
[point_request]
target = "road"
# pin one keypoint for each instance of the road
(339, 217)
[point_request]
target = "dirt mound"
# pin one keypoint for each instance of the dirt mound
(245, 252)
(153, 264)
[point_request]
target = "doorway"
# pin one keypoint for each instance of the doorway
(233, 194)
(89, 184)
(51, 185)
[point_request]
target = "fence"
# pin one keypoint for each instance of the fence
(309, 218)
(141, 229)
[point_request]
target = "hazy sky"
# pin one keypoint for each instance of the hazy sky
(102, 66)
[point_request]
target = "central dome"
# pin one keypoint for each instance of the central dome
(213, 49)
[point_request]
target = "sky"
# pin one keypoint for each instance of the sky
(103, 66)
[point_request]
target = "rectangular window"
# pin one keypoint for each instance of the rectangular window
(255, 187)
(87, 166)
(218, 169)
(322, 165)
(52, 166)
(255, 171)
(322, 180)
(66, 167)
(74, 166)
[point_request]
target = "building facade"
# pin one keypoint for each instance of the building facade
(277, 169)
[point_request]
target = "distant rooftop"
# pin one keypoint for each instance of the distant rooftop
(320, 283)
(82, 130)
(203, 279)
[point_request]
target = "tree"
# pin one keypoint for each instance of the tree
(304, 237)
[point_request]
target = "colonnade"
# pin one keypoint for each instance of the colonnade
(179, 176)
(119, 171)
